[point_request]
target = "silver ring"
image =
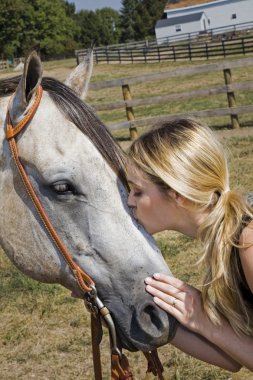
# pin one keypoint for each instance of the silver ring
(174, 302)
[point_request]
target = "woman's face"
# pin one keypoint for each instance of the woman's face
(151, 206)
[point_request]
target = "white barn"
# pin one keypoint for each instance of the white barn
(202, 16)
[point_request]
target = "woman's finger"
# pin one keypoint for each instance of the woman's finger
(166, 298)
(172, 281)
(166, 288)
(170, 309)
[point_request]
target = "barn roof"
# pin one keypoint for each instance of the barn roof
(186, 3)
(179, 20)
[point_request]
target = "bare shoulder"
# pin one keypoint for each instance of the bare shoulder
(246, 253)
(246, 237)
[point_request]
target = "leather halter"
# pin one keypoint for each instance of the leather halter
(119, 363)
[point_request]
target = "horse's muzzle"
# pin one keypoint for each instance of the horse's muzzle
(149, 328)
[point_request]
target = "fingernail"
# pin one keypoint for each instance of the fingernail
(148, 280)
(148, 287)
(156, 276)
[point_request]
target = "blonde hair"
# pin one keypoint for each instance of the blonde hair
(188, 158)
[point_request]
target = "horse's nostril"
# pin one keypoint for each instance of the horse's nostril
(150, 324)
(151, 314)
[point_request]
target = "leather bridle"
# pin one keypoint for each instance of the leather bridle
(119, 363)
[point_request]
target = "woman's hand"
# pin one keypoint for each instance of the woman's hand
(178, 299)
(185, 304)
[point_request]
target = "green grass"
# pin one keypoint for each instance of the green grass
(44, 333)
(62, 63)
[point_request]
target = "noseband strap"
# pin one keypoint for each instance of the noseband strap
(119, 363)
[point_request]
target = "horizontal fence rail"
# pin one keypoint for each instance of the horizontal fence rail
(177, 96)
(197, 114)
(228, 88)
(169, 52)
(200, 69)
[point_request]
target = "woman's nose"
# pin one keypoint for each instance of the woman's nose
(130, 200)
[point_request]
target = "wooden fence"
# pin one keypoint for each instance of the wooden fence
(168, 52)
(228, 88)
(3, 65)
(227, 32)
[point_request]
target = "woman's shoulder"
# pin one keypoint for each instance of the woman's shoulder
(246, 237)
(246, 254)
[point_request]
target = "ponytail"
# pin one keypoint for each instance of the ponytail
(220, 235)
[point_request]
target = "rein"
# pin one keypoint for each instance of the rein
(119, 363)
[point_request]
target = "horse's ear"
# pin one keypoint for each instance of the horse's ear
(27, 86)
(79, 78)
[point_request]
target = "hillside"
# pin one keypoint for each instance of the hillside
(173, 4)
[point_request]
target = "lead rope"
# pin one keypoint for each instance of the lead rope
(154, 364)
(119, 363)
(97, 368)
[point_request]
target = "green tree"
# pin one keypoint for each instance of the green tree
(109, 26)
(138, 18)
(88, 28)
(54, 30)
(16, 26)
(154, 10)
(24, 23)
(129, 13)
(142, 22)
(70, 9)
(101, 27)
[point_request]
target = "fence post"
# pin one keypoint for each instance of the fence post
(231, 98)
(190, 52)
(223, 47)
(243, 47)
(158, 53)
(145, 54)
(207, 54)
(174, 53)
(129, 111)
(131, 54)
(96, 55)
(106, 54)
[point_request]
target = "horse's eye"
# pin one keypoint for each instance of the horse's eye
(62, 187)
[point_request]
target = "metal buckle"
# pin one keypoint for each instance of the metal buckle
(95, 305)
(90, 301)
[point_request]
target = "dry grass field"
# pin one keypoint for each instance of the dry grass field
(44, 333)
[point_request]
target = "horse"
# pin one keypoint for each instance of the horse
(77, 170)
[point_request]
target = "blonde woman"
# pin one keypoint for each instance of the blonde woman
(179, 180)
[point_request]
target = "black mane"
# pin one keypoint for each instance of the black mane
(81, 115)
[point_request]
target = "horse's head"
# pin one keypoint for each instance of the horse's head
(75, 168)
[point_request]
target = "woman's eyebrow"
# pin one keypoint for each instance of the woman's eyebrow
(132, 182)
